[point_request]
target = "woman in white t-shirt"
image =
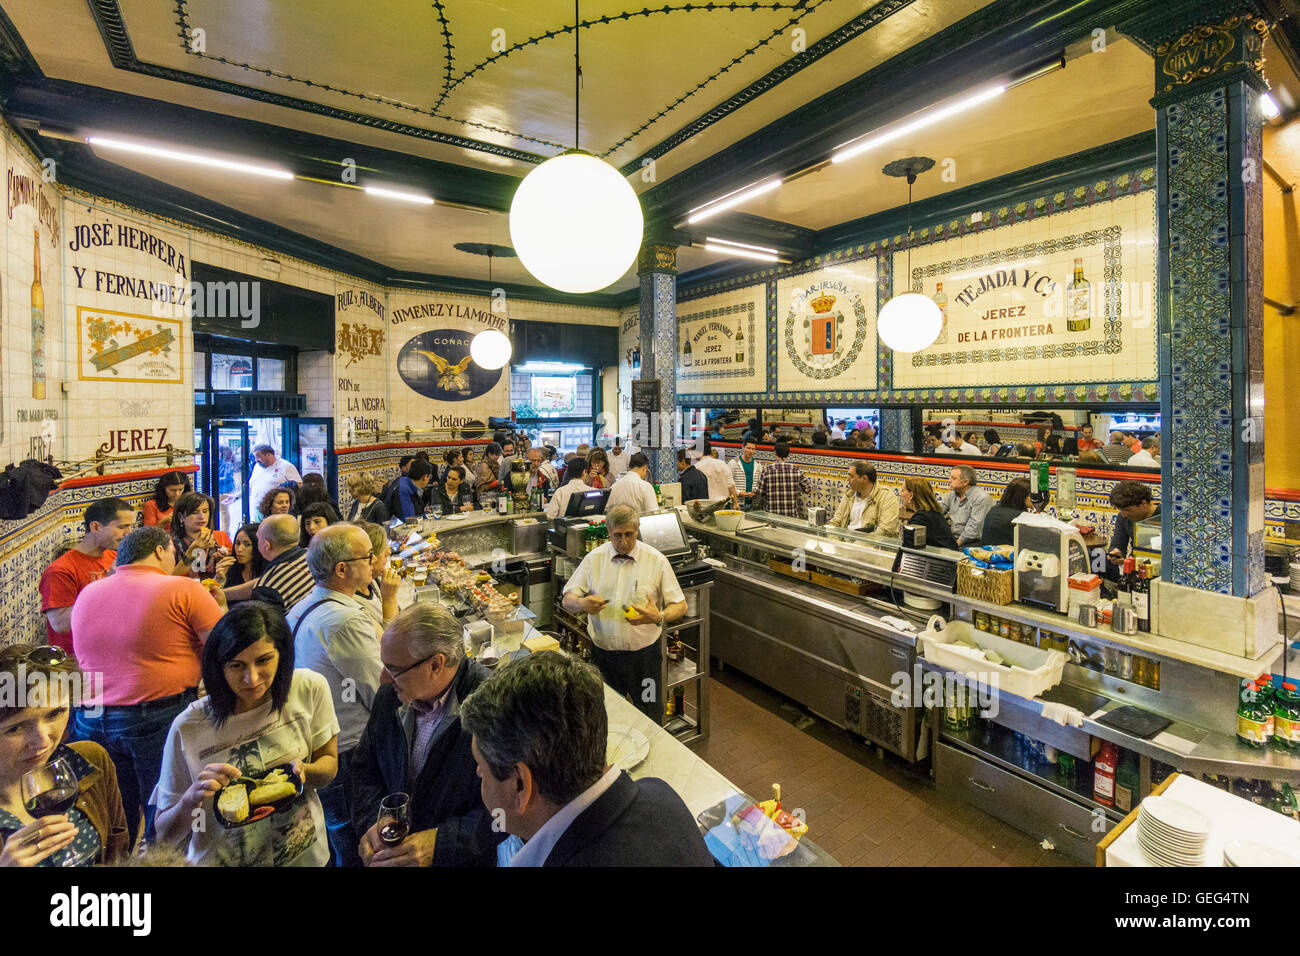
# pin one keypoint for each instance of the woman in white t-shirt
(259, 713)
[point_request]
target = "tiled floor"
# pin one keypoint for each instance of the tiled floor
(862, 809)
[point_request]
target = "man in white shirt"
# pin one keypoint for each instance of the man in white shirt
(269, 472)
(838, 430)
(547, 782)
(718, 474)
(577, 484)
(619, 461)
(1149, 456)
(628, 591)
(633, 489)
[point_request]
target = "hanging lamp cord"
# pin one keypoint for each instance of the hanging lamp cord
(577, 73)
(911, 178)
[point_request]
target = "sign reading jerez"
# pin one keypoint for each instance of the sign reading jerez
(437, 365)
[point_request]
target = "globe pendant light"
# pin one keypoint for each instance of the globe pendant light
(575, 221)
(909, 321)
(490, 349)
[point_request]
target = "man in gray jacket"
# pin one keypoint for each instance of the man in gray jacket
(966, 506)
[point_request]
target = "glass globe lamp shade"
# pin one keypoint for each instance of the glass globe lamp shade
(490, 349)
(909, 322)
(576, 223)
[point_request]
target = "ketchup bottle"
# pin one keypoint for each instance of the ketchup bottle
(1103, 775)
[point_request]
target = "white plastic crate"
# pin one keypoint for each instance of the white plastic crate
(1028, 672)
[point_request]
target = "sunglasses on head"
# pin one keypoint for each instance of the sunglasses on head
(41, 655)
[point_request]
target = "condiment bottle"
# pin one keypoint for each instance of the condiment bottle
(1252, 722)
(1286, 717)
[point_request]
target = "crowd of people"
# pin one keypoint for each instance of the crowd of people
(1120, 448)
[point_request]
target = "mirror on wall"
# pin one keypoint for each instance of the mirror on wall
(1099, 437)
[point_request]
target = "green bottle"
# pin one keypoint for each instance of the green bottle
(1286, 717)
(1252, 719)
(1126, 782)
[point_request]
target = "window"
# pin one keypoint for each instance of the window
(232, 372)
(200, 370)
(270, 375)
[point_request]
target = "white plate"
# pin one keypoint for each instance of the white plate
(1250, 853)
(626, 747)
(459, 516)
(1187, 821)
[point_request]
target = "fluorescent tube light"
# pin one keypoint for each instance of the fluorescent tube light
(160, 152)
(734, 198)
(743, 253)
(1269, 107)
(549, 367)
(929, 117)
(399, 194)
(741, 245)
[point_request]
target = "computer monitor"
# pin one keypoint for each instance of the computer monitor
(587, 503)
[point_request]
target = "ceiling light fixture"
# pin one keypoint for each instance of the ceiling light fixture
(852, 148)
(742, 245)
(910, 321)
(550, 367)
(575, 221)
(490, 349)
(762, 255)
(199, 159)
(1269, 107)
(733, 198)
(399, 194)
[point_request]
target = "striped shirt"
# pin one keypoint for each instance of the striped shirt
(286, 580)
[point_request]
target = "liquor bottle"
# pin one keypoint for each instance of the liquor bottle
(1039, 488)
(1103, 774)
(38, 323)
(686, 354)
(1124, 592)
(1078, 301)
(941, 300)
(1126, 782)
(1142, 598)
(740, 344)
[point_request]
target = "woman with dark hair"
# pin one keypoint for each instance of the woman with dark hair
(455, 494)
(998, 523)
(452, 459)
(166, 492)
(919, 500)
(313, 491)
(1052, 447)
(315, 517)
(248, 559)
(277, 501)
(94, 830)
(260, 714)
(598, 468)
(205, 552)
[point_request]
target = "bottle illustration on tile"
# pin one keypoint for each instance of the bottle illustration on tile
(740, 343)
(941, 300)
(1078, 300)
(38, 323)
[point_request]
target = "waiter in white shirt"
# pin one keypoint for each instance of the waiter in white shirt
(721, 484)
(633, 489)
(269, 472)
(619, 462)
(559, 502)
(628, 591)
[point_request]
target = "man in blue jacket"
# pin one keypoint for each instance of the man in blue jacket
(414, 743)
(539, 741)
(408, 496)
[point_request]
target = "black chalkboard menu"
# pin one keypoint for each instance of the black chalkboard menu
(645, 413)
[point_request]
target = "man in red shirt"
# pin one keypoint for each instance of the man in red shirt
(140, 635)
(1086, 441)
(107, 521)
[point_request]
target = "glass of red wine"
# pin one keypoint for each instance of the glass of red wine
(394, 818)
(52, 790)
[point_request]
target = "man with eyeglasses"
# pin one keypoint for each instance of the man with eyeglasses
(335, 636)
(414, 744)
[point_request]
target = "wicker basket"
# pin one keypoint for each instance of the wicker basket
(984, 584)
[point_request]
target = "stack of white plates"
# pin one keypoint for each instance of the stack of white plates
(1172, 833)
(1295, 577)
(1250, 853)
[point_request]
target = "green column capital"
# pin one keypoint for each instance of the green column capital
(658, 257)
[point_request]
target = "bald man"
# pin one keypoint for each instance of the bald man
(286, 579)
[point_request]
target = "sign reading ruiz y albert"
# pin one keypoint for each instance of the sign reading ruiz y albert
(1065, 298)
(721, 343)
(826, 329)
(120, 347)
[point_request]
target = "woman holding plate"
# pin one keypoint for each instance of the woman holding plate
(260, 714)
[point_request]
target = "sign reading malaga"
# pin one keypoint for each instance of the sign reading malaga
(437, 365)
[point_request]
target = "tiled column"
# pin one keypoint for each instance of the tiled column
(1210, 298)
(895, 429)
(657, 270)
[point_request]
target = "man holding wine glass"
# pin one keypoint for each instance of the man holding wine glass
(59, 805)
(410, 783)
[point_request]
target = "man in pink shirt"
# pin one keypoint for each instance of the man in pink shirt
(140, 632)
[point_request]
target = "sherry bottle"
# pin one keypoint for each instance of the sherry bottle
(740, 344)
(1078, 300)
(38, 323)
(686, 354)
(941, 300)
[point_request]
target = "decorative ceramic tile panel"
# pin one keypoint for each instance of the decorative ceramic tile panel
(720, 342)
(658, 323)
(826, 331)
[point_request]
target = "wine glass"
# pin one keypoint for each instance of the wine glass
(394, 818)
(52, 790)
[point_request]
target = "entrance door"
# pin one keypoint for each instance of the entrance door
(308, 444)
(224, 451)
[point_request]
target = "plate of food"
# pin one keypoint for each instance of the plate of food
(248, 800)
(626, 747)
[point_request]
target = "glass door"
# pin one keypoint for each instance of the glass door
(225, 451)
(308, 443)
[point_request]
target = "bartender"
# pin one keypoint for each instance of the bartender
(865, 506)
(1132, 499)
(628, 591)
